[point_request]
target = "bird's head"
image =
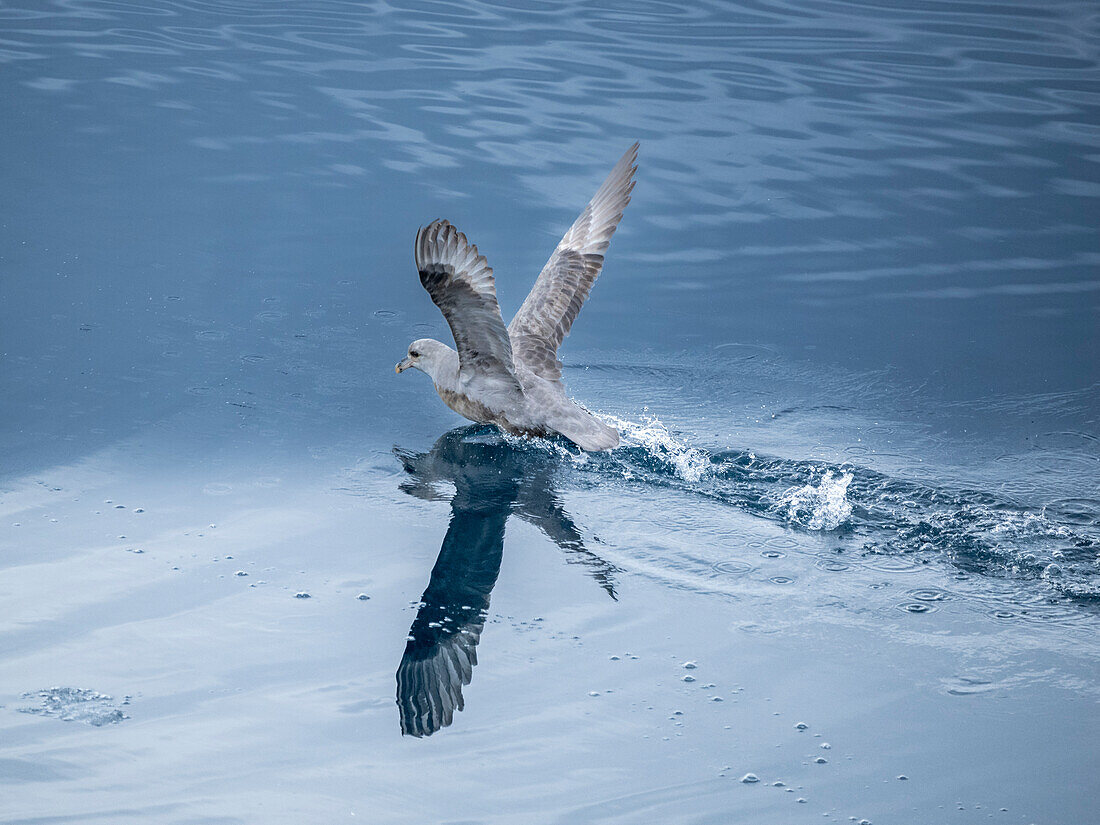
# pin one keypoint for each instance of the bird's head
(424, 354)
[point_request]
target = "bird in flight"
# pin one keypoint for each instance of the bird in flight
(511, 376)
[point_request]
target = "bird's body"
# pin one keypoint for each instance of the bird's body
(511, 377)
(537, 408)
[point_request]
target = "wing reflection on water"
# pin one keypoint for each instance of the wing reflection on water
(491, 480)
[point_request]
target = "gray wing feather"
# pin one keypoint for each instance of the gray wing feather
(460, 282)
(564, 283)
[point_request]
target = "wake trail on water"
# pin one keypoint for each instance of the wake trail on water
(1053, 548)
(1056, 544)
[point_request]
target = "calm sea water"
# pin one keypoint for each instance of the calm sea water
(848, 328)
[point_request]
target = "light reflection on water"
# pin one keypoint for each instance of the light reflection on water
(863, 241)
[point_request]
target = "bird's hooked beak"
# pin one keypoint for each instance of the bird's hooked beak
(403, 365)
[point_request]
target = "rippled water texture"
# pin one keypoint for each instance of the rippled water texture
(845, 565)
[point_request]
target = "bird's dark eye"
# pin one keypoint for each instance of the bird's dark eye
(414, 353)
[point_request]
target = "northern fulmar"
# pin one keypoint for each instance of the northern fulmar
(511, 376)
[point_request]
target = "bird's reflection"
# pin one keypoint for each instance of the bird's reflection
(491, 480)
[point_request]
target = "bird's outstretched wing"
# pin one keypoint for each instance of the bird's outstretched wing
(461, 284)
(564, 283)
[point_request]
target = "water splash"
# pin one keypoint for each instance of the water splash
(688, 463)
(824, 507)
(77, 705)
(552, 446)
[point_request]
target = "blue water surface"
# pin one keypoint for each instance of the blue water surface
(847, 328)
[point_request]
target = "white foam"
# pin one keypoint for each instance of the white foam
(689, 463)
(1028, 525)
(824, 507)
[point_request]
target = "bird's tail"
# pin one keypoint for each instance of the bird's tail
(584, 429)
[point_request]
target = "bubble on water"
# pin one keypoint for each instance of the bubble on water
(801, 726)
(750, 778)
(821, 760)
(916, 607)
(826, 746)
(778, 784)
(362, 597)
(689, 665)
(593, 693)
(733, 567)
(787, 542)
(772, 554)
(928, 594)
(687, 678)
(241, 573)
(824, 507)
(801, 799)
(902, 777)
(302, 595)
